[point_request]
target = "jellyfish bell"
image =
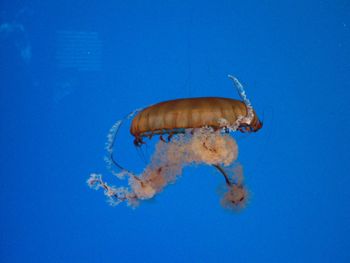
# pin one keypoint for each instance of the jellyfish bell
(175, 116)
(198, 131)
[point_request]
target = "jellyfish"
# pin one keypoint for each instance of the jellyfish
(198, 130)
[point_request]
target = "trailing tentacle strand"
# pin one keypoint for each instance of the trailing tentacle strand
(111, 138)
(250, 111)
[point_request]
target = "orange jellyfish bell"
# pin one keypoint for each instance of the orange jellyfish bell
(173, 116)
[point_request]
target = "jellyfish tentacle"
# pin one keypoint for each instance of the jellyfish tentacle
(250, 112)
(115, 195)
(111, 138)
(222, 171)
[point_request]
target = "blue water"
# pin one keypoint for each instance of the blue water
(70, 69)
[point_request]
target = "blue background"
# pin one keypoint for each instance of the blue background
(292, 57)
